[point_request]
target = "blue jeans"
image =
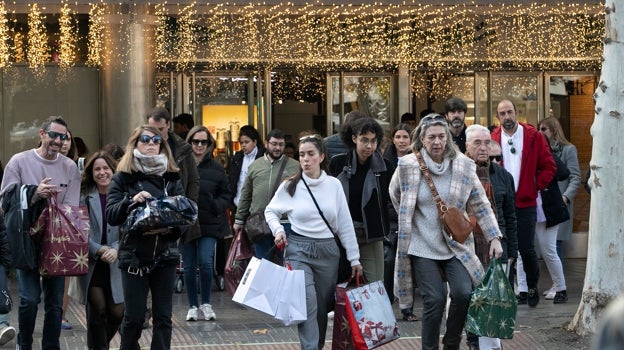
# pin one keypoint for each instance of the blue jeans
(198, 252)
(30, 287)
(4, 318)
(262, 247)
(433, 290)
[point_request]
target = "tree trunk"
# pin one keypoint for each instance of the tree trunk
(605, 260)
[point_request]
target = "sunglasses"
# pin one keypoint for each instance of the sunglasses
(496, 158)
(512, 149)
(316, 136)
(54, 135)
(433, 118)
(197, 142)
(156, 139)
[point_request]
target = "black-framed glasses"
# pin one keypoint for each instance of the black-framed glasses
(543, 128)
(54, 135)
(433, 118)
(496, 158)
(512, 149)
(277, 144)
(156, 139)
(197, 142)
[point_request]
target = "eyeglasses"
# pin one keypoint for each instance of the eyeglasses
(54, 135)
(197, 142)
(367, 142)
(156, 139)
(433, 118)
(512, 149)
(543, 128)
(315, 136)
(496, 158)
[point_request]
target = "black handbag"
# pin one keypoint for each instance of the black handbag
(6, 303)
(160, 213)
(344, 266)
(256, 226)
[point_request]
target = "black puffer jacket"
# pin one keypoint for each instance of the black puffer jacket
(5, 250)
(215, 197)
(139, 250)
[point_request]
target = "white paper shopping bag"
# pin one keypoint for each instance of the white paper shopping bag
(261, 285)
(292, 308)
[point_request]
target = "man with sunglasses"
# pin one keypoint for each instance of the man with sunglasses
(526, 155)
(455, 112)
(259, 187)
(53, 174)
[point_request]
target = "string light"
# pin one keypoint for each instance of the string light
(67, 40)
(96, 35)
(5, 54)
(19, 52)
(37, 50)
(318, 37)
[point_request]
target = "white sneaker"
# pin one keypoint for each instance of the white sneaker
(192, 314)
(6, 334)
(330, 315)
(209, 314)
(550, 295)
(548, 291)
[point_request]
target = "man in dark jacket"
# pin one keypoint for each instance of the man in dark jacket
(455, 112)
(527, 157)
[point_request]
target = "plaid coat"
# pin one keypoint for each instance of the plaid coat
(466, 191)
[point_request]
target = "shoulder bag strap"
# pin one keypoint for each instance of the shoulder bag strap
(317, 206)
(279, 175)
(442, 207)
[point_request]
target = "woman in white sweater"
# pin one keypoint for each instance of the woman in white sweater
(311, 246)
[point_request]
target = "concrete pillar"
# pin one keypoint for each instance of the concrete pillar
(404, 91)
(128, 70)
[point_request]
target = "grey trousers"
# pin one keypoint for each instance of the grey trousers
(433, 290)
(318, 258)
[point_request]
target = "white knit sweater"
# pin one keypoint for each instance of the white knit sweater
(304, 217)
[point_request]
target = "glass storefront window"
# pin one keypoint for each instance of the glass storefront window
(368, 94)
(522, 90)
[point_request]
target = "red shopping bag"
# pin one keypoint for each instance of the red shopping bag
(63, 234)
(237, 260)
(341, 336)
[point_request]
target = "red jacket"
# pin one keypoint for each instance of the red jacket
(537, 167)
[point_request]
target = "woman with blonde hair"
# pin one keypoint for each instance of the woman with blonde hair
(147, 259)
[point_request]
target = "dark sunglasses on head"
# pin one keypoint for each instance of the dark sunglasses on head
(316, 136)
(496, 158)
(54, 135)
(433, 118)
(156, 139)
(197, 142)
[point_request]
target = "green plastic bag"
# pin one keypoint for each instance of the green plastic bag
(493, 305)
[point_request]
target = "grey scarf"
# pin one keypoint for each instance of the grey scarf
(150, 165)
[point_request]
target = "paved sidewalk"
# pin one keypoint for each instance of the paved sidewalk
(238, 328)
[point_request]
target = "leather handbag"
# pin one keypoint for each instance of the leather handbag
(456, 223)
(256, 226)
(158, 213)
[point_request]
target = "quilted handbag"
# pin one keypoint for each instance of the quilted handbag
(157, 213)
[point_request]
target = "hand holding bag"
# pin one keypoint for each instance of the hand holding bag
(493, 305)
(456, 223)
(158, 213)
(63, 232)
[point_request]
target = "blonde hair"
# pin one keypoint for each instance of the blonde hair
(126, 163)
(557, 131)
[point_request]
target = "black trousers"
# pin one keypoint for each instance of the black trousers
(526, 218)
(160, 282)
